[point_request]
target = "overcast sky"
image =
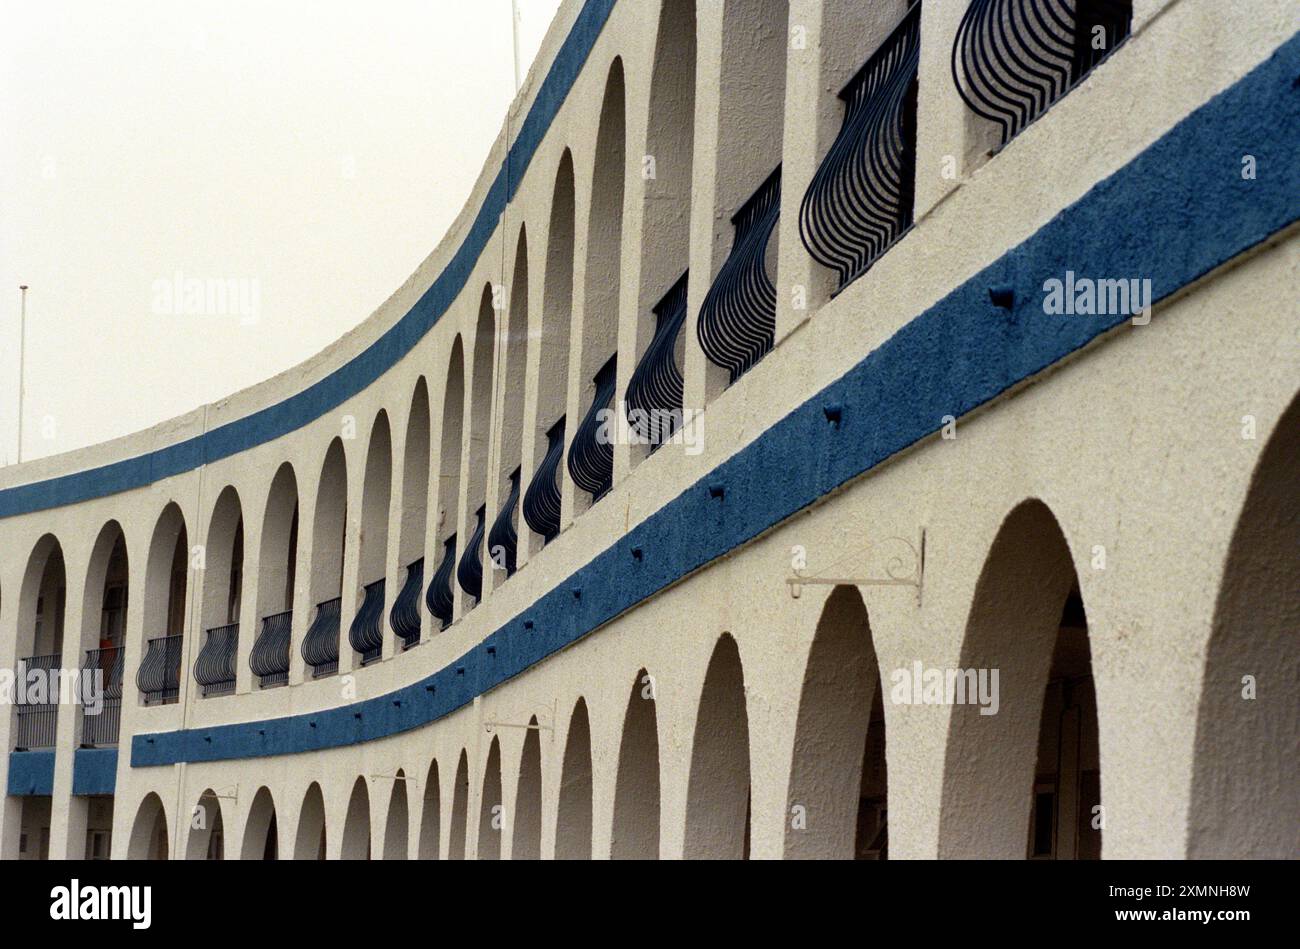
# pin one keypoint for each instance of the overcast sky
(306, 156)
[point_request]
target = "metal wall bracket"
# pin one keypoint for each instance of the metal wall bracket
(906, 568)
(530, 726)
(394, 776)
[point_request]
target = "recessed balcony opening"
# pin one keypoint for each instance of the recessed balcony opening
(42, 605)
(1013, 59)
(320, 644)
(268, 659)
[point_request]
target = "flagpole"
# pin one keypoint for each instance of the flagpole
(514, 29)
(22, 376)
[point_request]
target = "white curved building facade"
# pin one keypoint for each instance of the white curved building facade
(970, 524)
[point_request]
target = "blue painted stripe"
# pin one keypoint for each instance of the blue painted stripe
(354, 376)
(1173, 214)
(94, 771)
(31, 773)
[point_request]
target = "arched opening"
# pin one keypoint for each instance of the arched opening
(395, 828)
(747, 181)
(717, 804)
(149, 832)
(206, 839)
(356, 825)
(441, 596)
(42, 603)
(261, 833)
(546, 483)
(459, 810)
(470, 571)
(407, 617)
(277, 568)
(431, 816)
(309, 842)
(103, 631)
(223, 573)
(1245, 800)
(320, 647)
(165, 589)
(666, 225)
(503, 539)
(527, 841)
(636, 792)
(366, 634)
(604, 269)
(837, 802)
(1024, 781)
(491, 817)
(573, 816)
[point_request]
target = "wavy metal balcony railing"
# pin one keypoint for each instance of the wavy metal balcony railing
(214, 667)
(860, 200)
(503, 541)
(100, 729)
(591, 456)
(441, 598)
(542, 500)
(38, 722)
(159, 675)
(654, 393)
(1013, 58)
(366, 634)
(737, 323)
(320, 646)
(469, 572)
(269, 657)
(405, 616)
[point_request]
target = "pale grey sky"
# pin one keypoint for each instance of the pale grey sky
(312, 153)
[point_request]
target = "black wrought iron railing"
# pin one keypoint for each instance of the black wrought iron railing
(591, 456)
(366, 634)
(214, 666)
(269, 657)
(101, 721)
(405, 616)
(860, 200)
(1013, 58)
(469, 572)
(654, 393)
(37, 697)
(503, 541)
(159, 675)
(737, 324)
(441, 598)
(320, 646)
(542, 500)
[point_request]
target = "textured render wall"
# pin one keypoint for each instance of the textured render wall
(1038, 174)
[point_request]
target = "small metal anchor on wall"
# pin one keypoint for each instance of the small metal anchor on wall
(905, 568)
